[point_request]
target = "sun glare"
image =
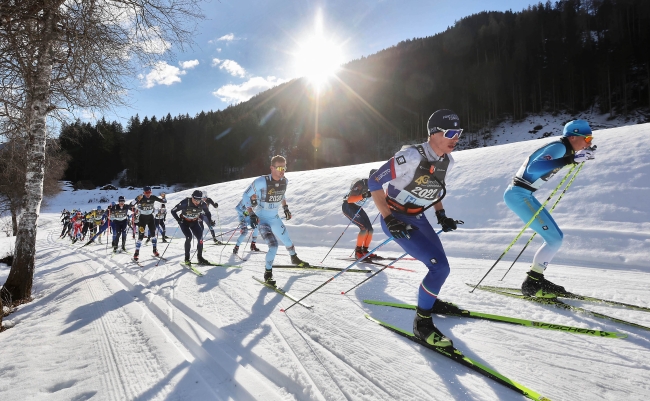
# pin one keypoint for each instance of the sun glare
(318, 58)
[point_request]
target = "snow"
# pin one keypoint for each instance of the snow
(102, 328)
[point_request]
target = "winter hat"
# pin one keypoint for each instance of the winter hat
(444, 119)
(577, 128)
(197, 194)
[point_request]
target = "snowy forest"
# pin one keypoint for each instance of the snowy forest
(566, 56)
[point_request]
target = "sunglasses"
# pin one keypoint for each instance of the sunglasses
(588, 138)
(451, 133)
(280, 168)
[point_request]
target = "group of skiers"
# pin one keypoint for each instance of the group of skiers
(412, 181)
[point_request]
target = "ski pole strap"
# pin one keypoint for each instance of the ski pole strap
(528, 224)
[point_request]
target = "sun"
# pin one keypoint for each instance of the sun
(318, 58)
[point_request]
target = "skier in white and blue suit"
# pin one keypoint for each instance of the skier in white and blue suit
(539, 167)
(262, 200)
(415, 179)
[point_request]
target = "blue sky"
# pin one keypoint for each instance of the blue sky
(244, 47)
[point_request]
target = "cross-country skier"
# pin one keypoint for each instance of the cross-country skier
(100, 221)
(204, 218)
(188, 216)
(244, 222)
(353, 209)
(145, 205)
(416, 181)
(67, 225)
(119, 218)
(77, 223)
(539, 167)
(262, 200)
(160, 216)
(103, 225)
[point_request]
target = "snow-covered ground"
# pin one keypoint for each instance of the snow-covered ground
(102, 328)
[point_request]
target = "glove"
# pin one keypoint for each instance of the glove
(447, 223)
(254, 220)
(287, 213)
(212, 223)
(398, 228)
(162, 195)
(366, 194)
(216, 205)
(583, 155)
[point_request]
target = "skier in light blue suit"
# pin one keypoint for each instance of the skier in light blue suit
(262, 200)
(539, 167)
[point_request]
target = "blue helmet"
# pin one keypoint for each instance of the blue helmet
(577, 128)
(99, 208)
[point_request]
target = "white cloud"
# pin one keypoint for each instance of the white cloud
(218, 50)
(215, 62)
(163, 74)
(233, 68)
(227, 38)
(240, 93)
(186, 65)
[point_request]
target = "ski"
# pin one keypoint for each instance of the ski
(570, 295)
(218, 265)
(556, 302)
(192, 268)
(312, 267)
(282, 292)
(214, 243)
(457, 356)
(137, 262)
(512, 320)
(370, 262)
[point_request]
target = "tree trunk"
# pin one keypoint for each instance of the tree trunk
(21, 276)
(14, 221)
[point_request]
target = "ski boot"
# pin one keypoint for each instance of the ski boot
(371, 256)
(74, 240)
(187, 262)
(536, 285)
(123, 248)
(296, 261)
(358, 252)
(425, 330)
(268, 277)
(155, 253)
(235, 250)
(254, 248)
(163, 239)
(441, 307)
(136, 255)
(202, 261)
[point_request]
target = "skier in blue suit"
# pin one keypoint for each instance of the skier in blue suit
(539, 167)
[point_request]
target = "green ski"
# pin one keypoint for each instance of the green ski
(562, 305)
(457, 356)
(569, 295)
(513, 320)
(282, 292)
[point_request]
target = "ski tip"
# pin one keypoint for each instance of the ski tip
(281, 310)
(342, 292)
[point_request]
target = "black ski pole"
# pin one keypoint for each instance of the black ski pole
(339, 273)
(168, 244)
(346, 228)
